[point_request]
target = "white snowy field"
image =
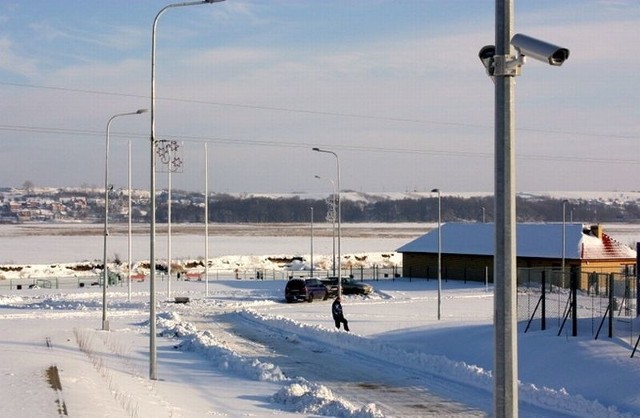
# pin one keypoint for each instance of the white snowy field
(66, 243)
(236, 349)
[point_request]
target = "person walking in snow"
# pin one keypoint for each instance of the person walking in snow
(338, 316)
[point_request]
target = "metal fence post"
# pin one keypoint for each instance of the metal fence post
(637, 279)
(574, 300)
(611, 306)
(543, 319)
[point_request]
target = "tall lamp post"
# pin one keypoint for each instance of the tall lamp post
(152, 190)
(169, 157)
(105, 270)
(311, 244)
(439, 251)
(503, 62)
(333, 223)
(339, 215)
(206, 220)
(169, 232)
(564, 237)
(129, 223)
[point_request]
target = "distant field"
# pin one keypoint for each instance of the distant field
(59, 243)
(64, 243)
(389, 230)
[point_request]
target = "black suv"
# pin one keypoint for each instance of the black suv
(305, 289)
(349, 286)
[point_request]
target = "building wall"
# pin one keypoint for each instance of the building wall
(457, 267)
(479, 268)
(603, 268)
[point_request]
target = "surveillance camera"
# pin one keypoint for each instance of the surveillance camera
(540, 50)
(486, 55)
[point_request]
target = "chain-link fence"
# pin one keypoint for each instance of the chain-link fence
(359, 273)
(577, 303)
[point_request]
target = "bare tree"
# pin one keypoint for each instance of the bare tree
(28, 186)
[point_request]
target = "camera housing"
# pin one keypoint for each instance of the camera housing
(486, 55)
(540, 50)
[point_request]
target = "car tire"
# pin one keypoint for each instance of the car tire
(310, 298)
(326, 296)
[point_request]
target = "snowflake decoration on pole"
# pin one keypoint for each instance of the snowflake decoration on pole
(169, 156)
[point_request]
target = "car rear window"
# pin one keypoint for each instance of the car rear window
(295, 284)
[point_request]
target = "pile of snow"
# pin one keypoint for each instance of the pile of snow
(310, 398)
(300, 396)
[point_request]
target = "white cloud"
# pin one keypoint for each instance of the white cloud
(13, 62)
(45, 31)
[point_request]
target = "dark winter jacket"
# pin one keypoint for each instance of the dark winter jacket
(336, 309)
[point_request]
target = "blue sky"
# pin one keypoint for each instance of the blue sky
(394, 87)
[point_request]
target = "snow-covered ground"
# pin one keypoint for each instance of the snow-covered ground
(236, 349)
(242, 351)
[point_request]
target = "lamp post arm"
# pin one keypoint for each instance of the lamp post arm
(105, 270)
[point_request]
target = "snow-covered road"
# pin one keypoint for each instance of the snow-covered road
(352, 374)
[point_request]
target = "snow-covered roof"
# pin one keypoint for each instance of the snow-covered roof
(533, 240)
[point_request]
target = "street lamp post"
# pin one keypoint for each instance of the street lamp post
(206, 220)
(311, 244)
(169, 231)
(564, 237)
(339, 215)
(105, 269)
(167, 151)
(129, 224)
(333, 223)
(152, 190)
(439, 251)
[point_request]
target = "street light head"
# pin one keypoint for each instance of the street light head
(315, 149)
(435, 191)
(212, 1)
(140, 111)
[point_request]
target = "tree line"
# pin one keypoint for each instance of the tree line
(231, 209)
(188, 207)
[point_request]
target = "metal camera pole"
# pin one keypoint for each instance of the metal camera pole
(503, 63)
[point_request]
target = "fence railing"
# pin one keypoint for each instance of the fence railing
(575, 303)
(359, 273)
